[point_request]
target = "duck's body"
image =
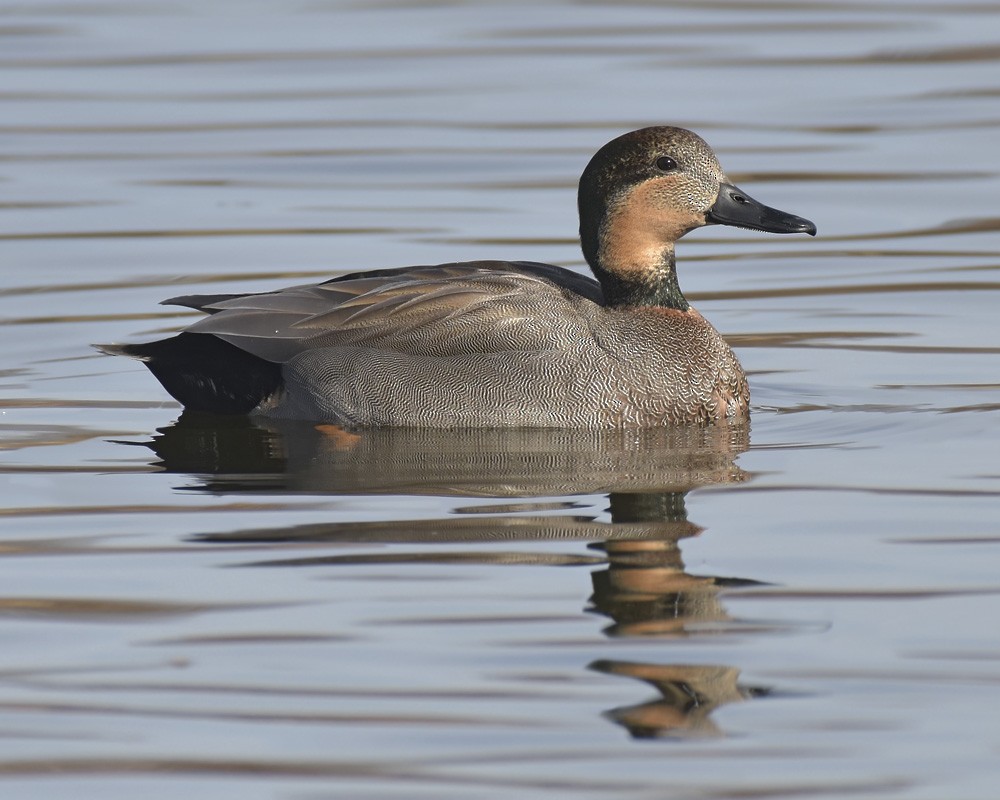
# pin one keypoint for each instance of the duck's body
(495, 343)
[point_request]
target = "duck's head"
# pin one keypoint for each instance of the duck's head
(642, 191)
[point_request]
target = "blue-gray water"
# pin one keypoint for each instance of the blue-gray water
(805, 609)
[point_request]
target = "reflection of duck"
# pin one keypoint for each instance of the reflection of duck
(252, 455)
(689, 694)
(647, 592)
(240, 455)
(495, 343)
(643, 586)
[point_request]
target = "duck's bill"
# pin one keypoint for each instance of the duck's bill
(736, 208)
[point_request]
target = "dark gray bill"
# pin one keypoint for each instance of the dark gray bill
(736, 208)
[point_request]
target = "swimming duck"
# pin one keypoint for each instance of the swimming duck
(495, 343)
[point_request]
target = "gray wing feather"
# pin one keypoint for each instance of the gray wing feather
(433, 311)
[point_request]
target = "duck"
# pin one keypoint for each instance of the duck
(495, 344)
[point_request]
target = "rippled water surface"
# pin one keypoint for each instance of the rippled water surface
(209, 608)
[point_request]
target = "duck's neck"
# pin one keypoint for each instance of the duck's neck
(650, 282)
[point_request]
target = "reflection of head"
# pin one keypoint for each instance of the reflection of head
(689, 693)
(646, 591)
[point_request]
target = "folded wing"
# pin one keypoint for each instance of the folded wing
(452, 309)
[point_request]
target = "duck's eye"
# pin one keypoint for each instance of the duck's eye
(665, 164)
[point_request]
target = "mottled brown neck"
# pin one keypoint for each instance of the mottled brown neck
(629, 246)
(653, 283)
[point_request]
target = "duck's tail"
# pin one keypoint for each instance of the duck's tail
(205, 373)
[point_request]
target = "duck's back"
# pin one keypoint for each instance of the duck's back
(482, 344)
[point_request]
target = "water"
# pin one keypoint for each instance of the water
(804, 609)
